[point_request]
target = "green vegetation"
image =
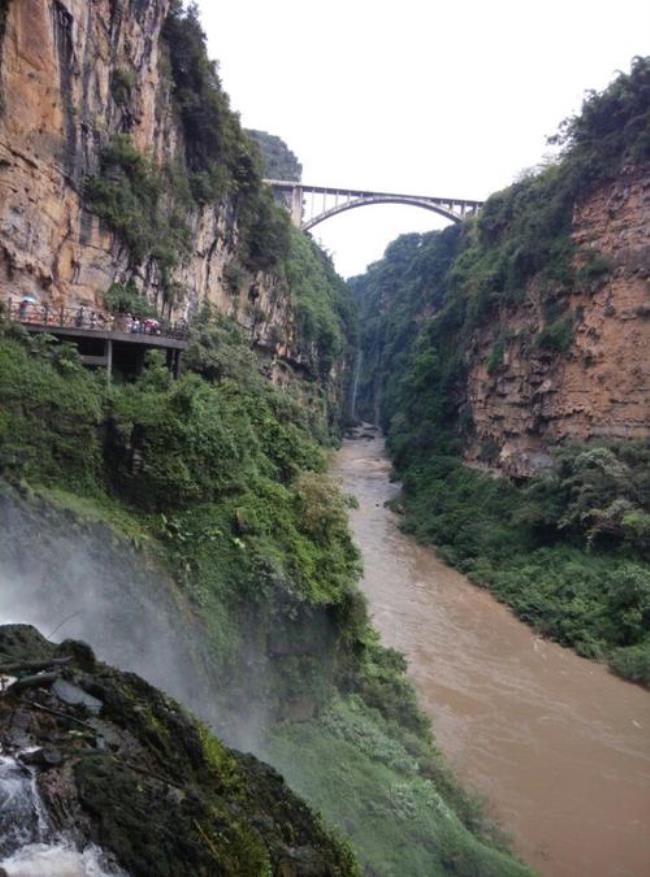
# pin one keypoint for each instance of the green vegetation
(392, 296)
(325, 313)
(556, 336)
(50, 418)
(524, 231)
(392, 810)
(150, 207)
(469, 276)
(140, 203)
(122, 84)
(217, 469)
(568, 549)
(403, 809)
(279, 161)
(125, 299)
(221, 162)
(217, 478)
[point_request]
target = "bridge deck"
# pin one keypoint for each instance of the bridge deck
(289, 185)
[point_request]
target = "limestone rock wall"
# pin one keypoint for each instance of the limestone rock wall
(600, 387)
(57, 61)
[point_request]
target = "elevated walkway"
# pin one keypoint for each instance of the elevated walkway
(104, 340)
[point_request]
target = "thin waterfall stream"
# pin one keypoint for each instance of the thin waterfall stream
(558, 745)
(355, 384)
(29, 846)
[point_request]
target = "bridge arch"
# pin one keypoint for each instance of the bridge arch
(368, 200)
(293, 194)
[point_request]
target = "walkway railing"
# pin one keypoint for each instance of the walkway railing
(85, 318)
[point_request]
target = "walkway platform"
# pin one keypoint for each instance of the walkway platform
(104, 340)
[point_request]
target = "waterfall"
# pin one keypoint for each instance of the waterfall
(355, 384)
(22, 815)
(29, 847)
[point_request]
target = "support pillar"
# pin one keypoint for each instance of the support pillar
(109, 360)
(296, 206)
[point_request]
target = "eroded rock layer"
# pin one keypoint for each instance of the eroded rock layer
(62, 65)
(599, 386)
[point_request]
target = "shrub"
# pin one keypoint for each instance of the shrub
(321, 508)
(495, 359)
(125, 299)
(51, 415)
(122, 85)
(594, 270)
(556, 337)
(633, 662)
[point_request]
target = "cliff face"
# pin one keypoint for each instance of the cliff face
(89, 753)
(600, 385)
(64, 65)
(58, 60)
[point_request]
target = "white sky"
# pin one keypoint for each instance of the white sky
(449, 98)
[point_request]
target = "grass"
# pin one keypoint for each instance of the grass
(365, 782)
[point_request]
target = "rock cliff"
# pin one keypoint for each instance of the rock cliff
(73, 75)
(526, 327)
(599, 387)
(58, 108)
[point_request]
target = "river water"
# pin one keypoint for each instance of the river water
(559, 746)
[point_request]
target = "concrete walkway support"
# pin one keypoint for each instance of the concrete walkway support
(113, 350)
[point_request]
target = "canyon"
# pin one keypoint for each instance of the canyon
(187, 526)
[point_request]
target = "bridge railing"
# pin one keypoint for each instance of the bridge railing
(31, 313)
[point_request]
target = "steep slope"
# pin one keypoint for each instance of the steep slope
(125, 178)
(516, 343)
(187, 529)
(280, 163)
(114, 764)
(567, 369)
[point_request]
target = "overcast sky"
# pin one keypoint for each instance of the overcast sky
(416, 96)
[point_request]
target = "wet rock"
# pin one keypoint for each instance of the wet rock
(75, 696)
(18, 815)
(43, 758)
(80, 651)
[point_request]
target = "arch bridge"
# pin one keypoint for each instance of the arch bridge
(311, 205)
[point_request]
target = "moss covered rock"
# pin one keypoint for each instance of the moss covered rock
(131, 771)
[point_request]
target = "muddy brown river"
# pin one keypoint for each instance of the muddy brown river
(559, 746)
